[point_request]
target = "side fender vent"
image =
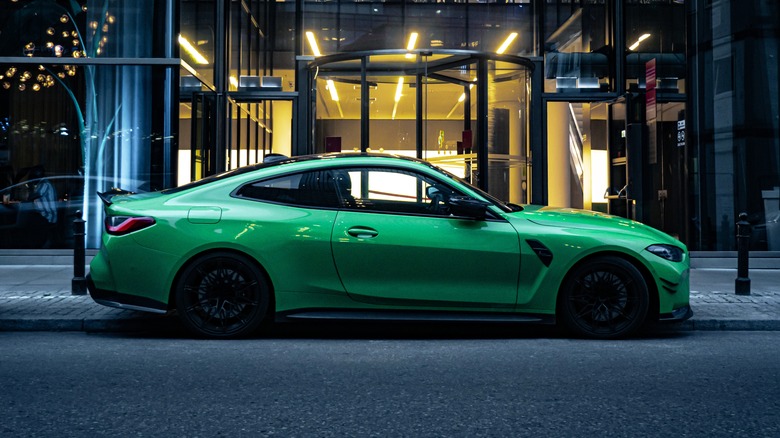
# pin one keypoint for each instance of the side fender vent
(544, 253)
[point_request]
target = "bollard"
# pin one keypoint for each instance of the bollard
(742, 283)
(79, 282)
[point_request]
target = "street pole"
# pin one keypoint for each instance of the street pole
(742, 283)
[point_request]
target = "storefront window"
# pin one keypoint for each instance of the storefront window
(358, 26)
(83, 134)
(196, 40)
(579, 55)
(733, 112)
(74, 123)
(655, 30)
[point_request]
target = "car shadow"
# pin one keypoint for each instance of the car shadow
(169, 328)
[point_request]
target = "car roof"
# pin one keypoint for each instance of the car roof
(337, 155)
(341, 156)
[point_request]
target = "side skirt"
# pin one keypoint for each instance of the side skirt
(419, 316)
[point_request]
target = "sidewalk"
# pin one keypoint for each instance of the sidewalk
(38, 298)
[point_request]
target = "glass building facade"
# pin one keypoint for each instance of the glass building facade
(664, 111)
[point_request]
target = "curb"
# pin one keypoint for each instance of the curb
(734, 325)
(142, 324)
(88, 325)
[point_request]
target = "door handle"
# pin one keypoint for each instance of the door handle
(362, 232)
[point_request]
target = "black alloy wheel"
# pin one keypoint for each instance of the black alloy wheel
(222, 295)
(604, 298)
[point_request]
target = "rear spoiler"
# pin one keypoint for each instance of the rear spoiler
(107, 196)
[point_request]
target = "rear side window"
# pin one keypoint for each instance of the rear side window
(311, 189)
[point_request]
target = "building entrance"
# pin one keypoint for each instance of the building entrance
(464, 111)
(609, 157)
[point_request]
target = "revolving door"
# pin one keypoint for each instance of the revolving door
(466, 112)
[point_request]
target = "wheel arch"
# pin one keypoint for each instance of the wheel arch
(652, 287)
(196, 256)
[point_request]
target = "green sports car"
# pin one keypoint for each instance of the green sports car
(370, 236)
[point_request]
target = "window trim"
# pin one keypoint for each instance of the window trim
(235, 192)
(492, 216)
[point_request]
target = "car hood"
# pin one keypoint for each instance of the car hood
(590, 220)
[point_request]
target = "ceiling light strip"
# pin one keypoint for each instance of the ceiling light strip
(313, 43)
(189, 48)
(506, 43)
(638, 41)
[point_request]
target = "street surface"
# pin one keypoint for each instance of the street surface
(423, 381)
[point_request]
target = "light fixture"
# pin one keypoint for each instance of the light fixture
(334, 96)
(313, 43)
(638, 41)
(398, 89)
(460, 99)
(200, 59)
(233, 81)
(506, 43)
(412, 42)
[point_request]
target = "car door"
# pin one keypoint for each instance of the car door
(287, 221)
(395, 243)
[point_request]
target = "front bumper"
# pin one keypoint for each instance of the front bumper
(677, 315)
(124, 301)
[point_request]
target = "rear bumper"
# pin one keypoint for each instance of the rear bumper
(124, 301)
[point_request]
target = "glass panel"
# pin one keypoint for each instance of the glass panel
(86, 129)
(735, 147)
(40, 146)
(359, 26)
(655, 30)
(508, 105)
(75, 29)
(392, 113)
(449, 119)
(196, 38)
(338, 112)
(257, 129)
(578, 53)
(197, 154)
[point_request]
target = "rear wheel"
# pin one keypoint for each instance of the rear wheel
(222, 295)
(604, 298)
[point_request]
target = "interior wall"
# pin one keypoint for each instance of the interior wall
(558, 167)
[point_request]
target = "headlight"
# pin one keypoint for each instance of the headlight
(668, 252)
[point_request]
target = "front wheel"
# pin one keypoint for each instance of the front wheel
(604, 298)
(222, 295)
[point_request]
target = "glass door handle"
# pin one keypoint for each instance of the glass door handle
(362, 232)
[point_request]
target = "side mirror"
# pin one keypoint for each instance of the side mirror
(468, 207)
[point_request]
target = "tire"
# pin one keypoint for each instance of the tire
(222, 295)
(604, 298)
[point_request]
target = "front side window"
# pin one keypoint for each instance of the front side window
(312, 189)
(397, 191)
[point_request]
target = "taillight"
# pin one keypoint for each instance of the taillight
(120, 225)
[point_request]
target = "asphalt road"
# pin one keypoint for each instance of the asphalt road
(424, 382)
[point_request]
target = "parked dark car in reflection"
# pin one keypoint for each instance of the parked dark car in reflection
(38, 212)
